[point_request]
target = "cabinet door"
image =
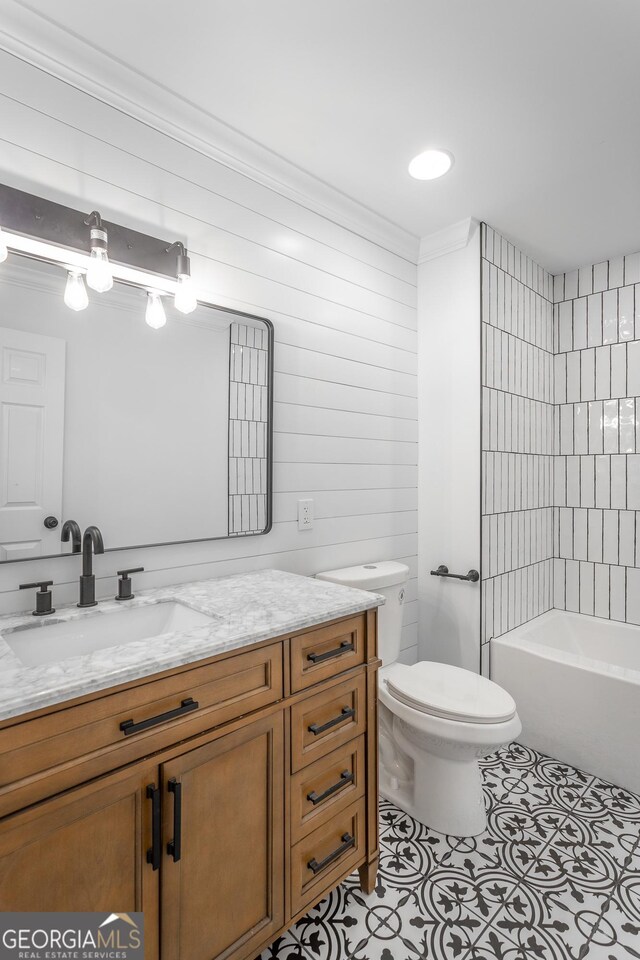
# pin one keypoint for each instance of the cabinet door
(222, 875)
(85, 850)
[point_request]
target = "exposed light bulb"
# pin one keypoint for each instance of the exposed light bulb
(185, 299)
(99, 276)
(155, 315)
(4, 252)
(75, 292)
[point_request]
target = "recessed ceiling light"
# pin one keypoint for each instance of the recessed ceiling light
(431, 164)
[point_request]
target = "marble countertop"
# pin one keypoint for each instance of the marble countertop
(246, 608)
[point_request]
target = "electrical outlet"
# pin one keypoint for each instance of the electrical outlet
(305, 514)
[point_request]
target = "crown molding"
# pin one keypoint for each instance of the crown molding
(451, 238)
(32, 37)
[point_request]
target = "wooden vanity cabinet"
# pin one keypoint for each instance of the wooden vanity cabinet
(224, 824)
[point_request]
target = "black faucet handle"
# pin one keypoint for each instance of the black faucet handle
(43, 596)
(124, 583)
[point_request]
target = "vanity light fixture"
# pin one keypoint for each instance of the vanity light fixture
(4, 253)
(75, 292)
(185, 299)
(99, 275)
(431, 164)
(155, 315)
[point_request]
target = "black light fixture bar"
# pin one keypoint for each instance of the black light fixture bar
(32, 216)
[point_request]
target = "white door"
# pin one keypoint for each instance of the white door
(32, 378)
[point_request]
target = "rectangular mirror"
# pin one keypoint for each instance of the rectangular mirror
(155, 435)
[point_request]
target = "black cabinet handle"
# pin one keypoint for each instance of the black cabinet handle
(345, 777)
(129, 726)
(345, 714)
(174, 847)
(153, 855)
(347, 842)
(344, 647)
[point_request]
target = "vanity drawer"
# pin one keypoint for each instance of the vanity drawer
(325, 721)
(328, 651)
(329, 853)
(319, 792)
(117, 728)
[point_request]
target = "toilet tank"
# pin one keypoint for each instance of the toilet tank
(388, 578)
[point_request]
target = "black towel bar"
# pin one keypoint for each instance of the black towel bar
(473, 576)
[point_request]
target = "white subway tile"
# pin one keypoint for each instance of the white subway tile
(626, 313)
(558, 584)
(580, 428)
(603, 373)
(594, 535)
(594, 320)
(627, 425)
(572, 586)
(627, 534)
(601, 592)
(610, 536)
(603, 482)
(609, 427)
(586, 588)
(579, 534)
(585, 281)
(587, 481)
(618, 483)
(574, 377)
(580, 324)
(619, 370)
(633, 596)
(610, 316)
(632, 268)
(571, 285)
(601, 275)
(633, 481)
(616, 272)
(587, 373)
(618, 601)
(565, 326)
(633, 368)
(595, 427)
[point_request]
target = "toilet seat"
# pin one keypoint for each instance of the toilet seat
(442, 690)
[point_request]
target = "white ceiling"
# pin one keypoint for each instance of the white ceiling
(537, 99)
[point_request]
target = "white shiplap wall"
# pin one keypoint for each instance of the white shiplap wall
(344, 311)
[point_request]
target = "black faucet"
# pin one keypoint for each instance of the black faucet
(71, 529)
(91, 543)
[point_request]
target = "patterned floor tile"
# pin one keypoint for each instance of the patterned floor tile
(341, 923)
(285, 947)
(555, 876)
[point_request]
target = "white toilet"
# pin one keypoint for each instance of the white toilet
(436, 720)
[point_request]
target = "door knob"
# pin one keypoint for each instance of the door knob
(51, 523)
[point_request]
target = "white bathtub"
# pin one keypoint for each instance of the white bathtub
(576, 683)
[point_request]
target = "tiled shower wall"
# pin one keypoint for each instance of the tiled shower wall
(517, 437)
(597, 467)
(248, 417)
(560, 438)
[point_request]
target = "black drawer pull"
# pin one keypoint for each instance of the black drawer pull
(345, 714)
(344, 647)
(345, 778)
(153, 855)
(174, 847)
(128, 726)
(347, 842)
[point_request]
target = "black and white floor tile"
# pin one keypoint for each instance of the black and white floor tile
(556, 876)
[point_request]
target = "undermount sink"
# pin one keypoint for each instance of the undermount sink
(97, 631)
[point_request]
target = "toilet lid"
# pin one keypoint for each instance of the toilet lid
(450, 692)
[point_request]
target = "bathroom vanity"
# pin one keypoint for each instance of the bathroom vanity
(220, 777)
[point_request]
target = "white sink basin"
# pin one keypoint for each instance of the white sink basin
(73, 638)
